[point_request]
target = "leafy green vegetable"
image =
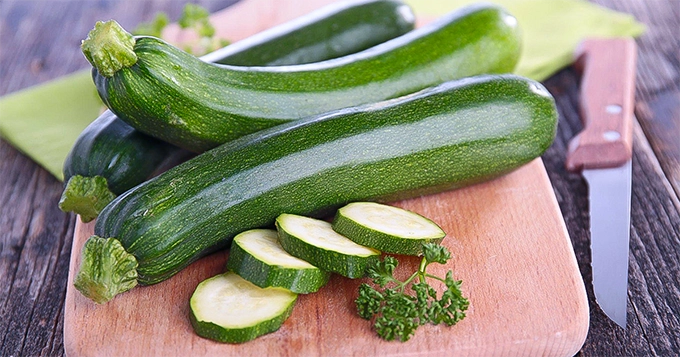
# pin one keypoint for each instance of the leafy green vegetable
(194, 17)
(154, 27)
(398, 314)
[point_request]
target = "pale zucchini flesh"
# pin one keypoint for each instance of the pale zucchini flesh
(257, 256)
(315, 241)
(386, 228)
(228, 308)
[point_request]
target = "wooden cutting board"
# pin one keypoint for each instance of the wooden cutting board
(509, 243)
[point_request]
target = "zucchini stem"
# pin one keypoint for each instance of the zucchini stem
(106, 269)
(109, 48)
(86, 196)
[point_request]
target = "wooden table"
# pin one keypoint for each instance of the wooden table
(40, 42)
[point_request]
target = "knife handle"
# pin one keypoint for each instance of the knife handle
(607, 95)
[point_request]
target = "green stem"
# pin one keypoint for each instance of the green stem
(109, 48)
(86, 196)
(106, 270)
(434, 277)
(420, 274)
(421, 269)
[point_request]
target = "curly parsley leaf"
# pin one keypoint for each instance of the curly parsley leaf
(396, 313)
(382, 272)
(194, 17)
(154, 27)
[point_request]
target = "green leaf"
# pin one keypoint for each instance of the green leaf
(435, 253)
(369, 301)
(154, 27)
(381, 271)
(196, 17)
(398, 314)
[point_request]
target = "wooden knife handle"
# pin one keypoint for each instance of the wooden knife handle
(607, 95)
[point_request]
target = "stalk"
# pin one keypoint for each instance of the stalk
(106, 270)
(86, 196)
(109, 48)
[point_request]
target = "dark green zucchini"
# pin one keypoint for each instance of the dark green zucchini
(336, 30)
(172, 95)
(110, 157)
(449, 136)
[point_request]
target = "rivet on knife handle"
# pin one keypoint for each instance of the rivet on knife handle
(607, 95)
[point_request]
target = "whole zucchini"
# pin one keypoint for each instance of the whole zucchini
(110, 157)
(172, 95)
(335, 30)
(452, 135)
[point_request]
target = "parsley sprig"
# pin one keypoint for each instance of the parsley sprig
(194, 17)
(396, 313)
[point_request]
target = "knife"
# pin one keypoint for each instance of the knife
(602, 151)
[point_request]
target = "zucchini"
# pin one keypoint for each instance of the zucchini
(167, 93)
(316, 242)
(335, 30)
(452, 135)
(228, 308)
(386, 228)
(110, 157)
(257, 256)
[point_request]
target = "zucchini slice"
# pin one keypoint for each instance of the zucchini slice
(257, 256)
(228, 308)
(386, 228)
(316, 242)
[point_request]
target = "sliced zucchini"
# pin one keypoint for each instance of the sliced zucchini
(315, 241)
(257, 256)
(228, 308)
(386, 228)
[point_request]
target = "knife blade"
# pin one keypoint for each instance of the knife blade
(602, 151)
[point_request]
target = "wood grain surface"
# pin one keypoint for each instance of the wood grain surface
(39, 41)
(504, 235)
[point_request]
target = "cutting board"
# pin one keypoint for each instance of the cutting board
(509, 245)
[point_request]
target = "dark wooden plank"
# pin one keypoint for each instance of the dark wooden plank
(35, 236)
(658, 80)
(40, 41)
(654, 289)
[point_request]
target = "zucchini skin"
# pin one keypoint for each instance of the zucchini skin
(263, 274)
(351, 266)
(386, 242)
(219, 333)
(125, 157)
(197, 105)
(333, 31)
(445, 137)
